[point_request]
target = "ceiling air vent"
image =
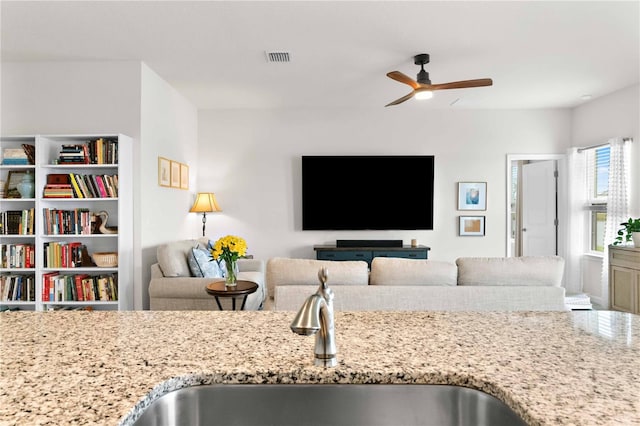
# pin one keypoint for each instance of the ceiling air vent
(277, 56)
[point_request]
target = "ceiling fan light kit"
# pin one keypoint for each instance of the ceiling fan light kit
(422, 87)
(423, 94)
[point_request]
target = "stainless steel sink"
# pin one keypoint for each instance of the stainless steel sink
(328, 404)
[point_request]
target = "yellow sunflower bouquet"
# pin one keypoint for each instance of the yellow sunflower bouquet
(229, 249)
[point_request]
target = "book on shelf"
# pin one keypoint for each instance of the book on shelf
(77, 278)
(83, 187)
(17, 290)
(77, 185)
(113, 286)
(58, 286)
(67, 222)
(69, 288)
(73, 154)
(77, 193)
(62, 254)
(110, 186)
(87, 289)
(48, 287)
(13, 153)
(101, 188)
(17, 222)
(17, 287)
(30, 150)
(95, 151)
(13, 221)
(6, 287)
(15, 162)
(88, 181)
(58, 191)
(27, 223)
(83, 181)
(14, 156)
(24, 255)
(58, 178)
(17, 255)
(102, 288)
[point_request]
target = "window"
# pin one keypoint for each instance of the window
(598, 187)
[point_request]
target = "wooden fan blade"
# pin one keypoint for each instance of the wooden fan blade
(402, 99)
(403, 78)
(462, 84)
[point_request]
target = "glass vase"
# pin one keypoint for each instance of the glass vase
(231, 277)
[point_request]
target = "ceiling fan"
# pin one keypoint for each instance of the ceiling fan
(422, 87)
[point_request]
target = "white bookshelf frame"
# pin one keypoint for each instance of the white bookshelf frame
(120, 213)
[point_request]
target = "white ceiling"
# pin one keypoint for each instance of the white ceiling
(539, 54)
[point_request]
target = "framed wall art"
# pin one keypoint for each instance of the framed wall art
(164, 172)
(471, 226)
(11, 185)
(175, 174)
(472, 195)
(184, 176)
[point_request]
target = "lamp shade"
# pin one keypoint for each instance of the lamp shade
(205, 203)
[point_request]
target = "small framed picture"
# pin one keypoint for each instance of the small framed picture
(164, 172)
(184, 176)
(175, 174)
(11, 185)
(471, 226)
(472, 195)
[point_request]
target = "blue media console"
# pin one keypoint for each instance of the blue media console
(332, 252)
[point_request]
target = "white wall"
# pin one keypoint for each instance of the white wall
(168, 128)
(614, 115)
(251, 160)
(70, 97)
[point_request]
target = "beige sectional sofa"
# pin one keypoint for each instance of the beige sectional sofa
(469, 284)
(173, 287)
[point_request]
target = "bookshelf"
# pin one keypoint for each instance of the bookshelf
(66, 221)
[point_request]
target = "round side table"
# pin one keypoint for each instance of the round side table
(243, 288)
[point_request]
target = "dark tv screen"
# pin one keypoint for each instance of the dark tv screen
(374, 192)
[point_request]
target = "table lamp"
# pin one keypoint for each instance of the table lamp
(205, 203)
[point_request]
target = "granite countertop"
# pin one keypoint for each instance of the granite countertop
(552, 368)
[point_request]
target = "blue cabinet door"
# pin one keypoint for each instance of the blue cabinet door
(345, 255)
(406, 254)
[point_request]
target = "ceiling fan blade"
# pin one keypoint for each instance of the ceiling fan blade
(403, 78)
(463, 84)
(402, 99)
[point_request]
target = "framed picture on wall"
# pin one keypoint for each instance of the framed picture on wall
(471, 226)
(472, 195)
(184, 176)
(175, 174)
(164, 172)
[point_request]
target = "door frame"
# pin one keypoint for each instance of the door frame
(561, 159)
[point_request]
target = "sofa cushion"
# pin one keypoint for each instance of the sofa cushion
(429, 298)
(398, 271)
(286, 271)
(201, 264)
(172, 258)
(511, 271)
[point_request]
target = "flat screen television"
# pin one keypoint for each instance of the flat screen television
(367, 192)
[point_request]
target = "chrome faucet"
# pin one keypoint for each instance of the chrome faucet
(316, 317)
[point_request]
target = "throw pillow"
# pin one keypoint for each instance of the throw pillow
(201, 265)
(222, 267)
